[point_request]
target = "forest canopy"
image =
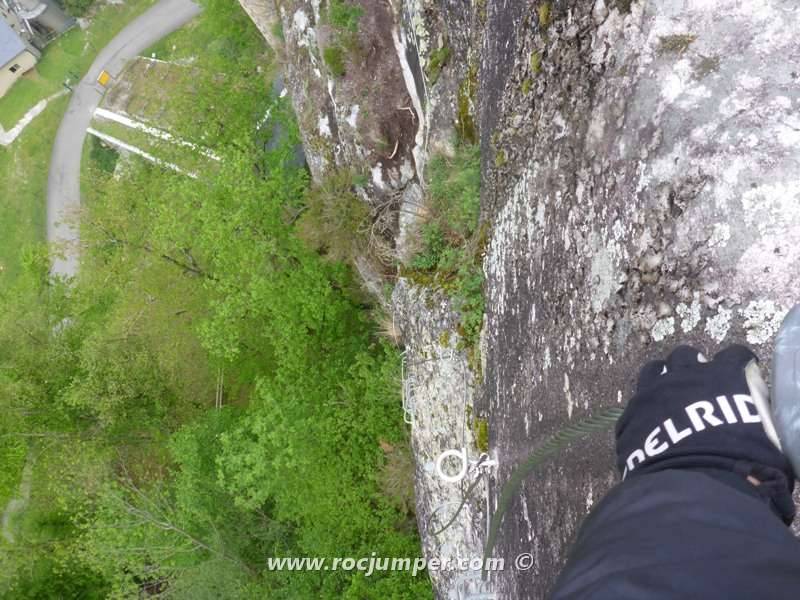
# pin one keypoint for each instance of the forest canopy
(209, 391)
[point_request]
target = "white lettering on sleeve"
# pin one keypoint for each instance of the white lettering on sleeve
(651, 444)
(636, 454)
(701, 415)
(704, 406)
(726, 409)
(742, 401)
(674, 435)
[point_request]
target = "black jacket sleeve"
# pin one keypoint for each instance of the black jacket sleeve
(683, 534)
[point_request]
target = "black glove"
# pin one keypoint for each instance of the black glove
(691, 413)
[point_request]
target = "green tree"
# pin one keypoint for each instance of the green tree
(208, 392)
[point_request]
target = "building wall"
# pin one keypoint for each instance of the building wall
(25, 62)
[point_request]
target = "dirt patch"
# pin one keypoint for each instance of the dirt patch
(386, 123)
(348, 88)
(395, 120)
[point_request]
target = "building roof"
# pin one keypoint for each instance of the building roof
(11, 45)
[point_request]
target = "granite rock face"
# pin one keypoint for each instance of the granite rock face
(439, 394)
(648, 196)
(640, 180)
(383, 114)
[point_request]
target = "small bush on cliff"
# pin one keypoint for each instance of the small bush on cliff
(437, 61)
(455, 190)
(334, 59)
(343, 18)
(452, 240)
(344, 15)
(335, 221)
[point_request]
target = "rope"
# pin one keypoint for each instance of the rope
(555, 443)
(464, 499)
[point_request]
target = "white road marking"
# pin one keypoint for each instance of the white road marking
(125, 120)
(139, 152)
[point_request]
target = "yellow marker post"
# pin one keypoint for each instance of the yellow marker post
(104, 78)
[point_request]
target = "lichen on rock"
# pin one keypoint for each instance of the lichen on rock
(649, 197)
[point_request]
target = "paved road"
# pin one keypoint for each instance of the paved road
(63, 187)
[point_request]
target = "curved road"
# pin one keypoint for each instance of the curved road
(63, 185)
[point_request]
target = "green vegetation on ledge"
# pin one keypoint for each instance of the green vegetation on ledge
(437, 61)
(334, 60)
(536, 62)
(453, 243)
(675, 44)
(344, 15)
(335, 221)
(480, 429)
(342, 18)
(545, 15)
(465, 121)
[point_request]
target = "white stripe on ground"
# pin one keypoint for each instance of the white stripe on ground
(138, 151)
(158, 60)
(125, 120)
(7, 137)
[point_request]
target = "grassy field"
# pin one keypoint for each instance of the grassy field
(23, 187)
(184, 44)
(144, 89)
(23, 190)
(198, 37)
(68, 57)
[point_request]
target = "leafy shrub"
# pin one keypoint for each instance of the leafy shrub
(434, 246)
(102, 155)
(336, 221)
(311, 449)
(344, 15)
(120, 386)
(334, 59)
(452, 242)
(469, 301)
(56, 575)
